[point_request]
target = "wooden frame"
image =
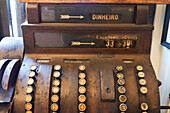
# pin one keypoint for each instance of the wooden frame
(34, 12)
(100, 1)
(145, 32)
(166, 28)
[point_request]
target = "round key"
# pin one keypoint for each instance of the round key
(144, 106)
(142, 82)
(82, 89)
(123, 107)
(82, 67)
(54, 107)
(57, 67)
(141, 74)
(28, 106)
(82, 75)
(145, 112)
(121, 81)
(122, 98)
(56, 74)
(119, 68)
(82, 98)
(55, 98)
(56, 82)
(32, 74)
(33, 67)
(82, 81)
(122, 89)
(143, 90)
(139, 68)
(28, 112)
(29, 89)
(120, 75)
(82, 107)
(28, 98)
(55, 89)
(30, 81)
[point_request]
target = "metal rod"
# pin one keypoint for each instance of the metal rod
(165, 107)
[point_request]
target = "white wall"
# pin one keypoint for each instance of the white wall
(160, 56)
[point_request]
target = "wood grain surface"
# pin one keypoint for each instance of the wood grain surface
(69, 87)
(100, 1)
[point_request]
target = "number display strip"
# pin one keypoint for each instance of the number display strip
(82, 89)
(31, 88)
(55, 90)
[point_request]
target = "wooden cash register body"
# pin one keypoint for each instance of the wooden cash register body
(100, 65)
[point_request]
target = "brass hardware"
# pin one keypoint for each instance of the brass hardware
(119, 68)
(122, 98)
(82, 98)
(82, 75)
(123, 107)
(122, 89)
(56, 74)
(32, 74)
(82, 81)
(55, 89)
(55, 98)
(28, 98)
(57, 67)
(82, 67)
(28, 106)
(139, 68)
(82, 107)
(142, 82)
(29, 89)
(82, 89)
(121, 81)
(30, 81)
(54, 107)
(141, 74)
(33, 67)
(56, 82)
(143, 90)
(144, 106)
(120, 75)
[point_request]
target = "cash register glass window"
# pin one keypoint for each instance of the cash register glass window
(85, 40)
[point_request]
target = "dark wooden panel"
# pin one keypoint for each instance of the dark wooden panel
(69, 87)
(33, 13)
(41, 102)
(100, 1)
(90, 13)
(51, 13)
(144, 31)
(142, 14)
(107, 84)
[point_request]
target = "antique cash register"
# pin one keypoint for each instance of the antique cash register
(87, 58)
